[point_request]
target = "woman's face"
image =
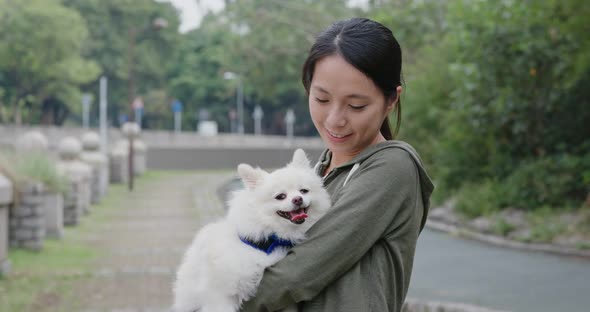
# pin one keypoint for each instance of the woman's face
(346, 107)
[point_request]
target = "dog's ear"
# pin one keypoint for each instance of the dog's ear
(250, 176)
(300, 159)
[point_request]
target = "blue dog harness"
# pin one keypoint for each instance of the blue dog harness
(268, 245)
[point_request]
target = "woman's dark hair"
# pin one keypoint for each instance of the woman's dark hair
(368, 46)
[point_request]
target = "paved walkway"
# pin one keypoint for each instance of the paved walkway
(145, 241)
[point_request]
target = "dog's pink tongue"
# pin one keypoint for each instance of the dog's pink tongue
(298, 214)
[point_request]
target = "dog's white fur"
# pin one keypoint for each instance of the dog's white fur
(219, 271)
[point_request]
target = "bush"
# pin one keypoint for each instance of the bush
(556, 181)
(502, 227)
(516, 113)
(479, 199)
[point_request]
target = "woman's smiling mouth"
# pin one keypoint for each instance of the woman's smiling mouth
(337, 137)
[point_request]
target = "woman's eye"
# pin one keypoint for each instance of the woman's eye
(281, 196)
(321, 100)
(357, 107)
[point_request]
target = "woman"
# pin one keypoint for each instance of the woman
(359, 256)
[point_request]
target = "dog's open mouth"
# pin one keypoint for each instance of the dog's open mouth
(296, 216)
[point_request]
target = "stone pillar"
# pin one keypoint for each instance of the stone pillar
(99, 163)
(131, 131)
(118, 164)
(27, 219)
(32, 141)
(139, 163)
(53, 210)
(80, 177)
(6, 196)
(51, 203)
(139, 154)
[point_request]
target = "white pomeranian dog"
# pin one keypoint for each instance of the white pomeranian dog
(226, 260)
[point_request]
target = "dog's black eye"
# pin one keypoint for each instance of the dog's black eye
(304, 191)
(281, 196)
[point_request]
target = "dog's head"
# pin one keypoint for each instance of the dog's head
(286, 201)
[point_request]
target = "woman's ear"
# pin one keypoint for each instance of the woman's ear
(394, 99)
(398, 93)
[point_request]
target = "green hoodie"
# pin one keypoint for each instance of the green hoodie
(359, 256)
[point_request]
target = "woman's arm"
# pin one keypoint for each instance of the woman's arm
(383, 191)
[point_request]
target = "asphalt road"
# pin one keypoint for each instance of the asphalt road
(453, 269)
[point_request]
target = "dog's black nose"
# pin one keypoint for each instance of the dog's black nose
(297, 200)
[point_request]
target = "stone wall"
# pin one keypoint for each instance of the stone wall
(27, 219)
(168, 139)
(73, 203)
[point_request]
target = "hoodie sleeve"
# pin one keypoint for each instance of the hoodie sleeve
(380, 197)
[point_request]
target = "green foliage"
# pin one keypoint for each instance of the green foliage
(197, 77)
(501, 96)
(40, 63)
(541, 229)
(265, 42)
(501, 227)
(115, 28)
(35, 167)
(416, 24)
(474, 200)
(555, 181)
(268, 40)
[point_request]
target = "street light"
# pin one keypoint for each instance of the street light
(156, 24)
(239, 99)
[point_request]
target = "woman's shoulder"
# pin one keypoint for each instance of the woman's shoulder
(390, 153)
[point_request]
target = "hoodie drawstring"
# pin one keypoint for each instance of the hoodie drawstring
(354, 168)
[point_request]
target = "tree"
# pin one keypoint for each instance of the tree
(115, 27)
(39, 63)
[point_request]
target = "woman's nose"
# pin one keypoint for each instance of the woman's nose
(336, 118)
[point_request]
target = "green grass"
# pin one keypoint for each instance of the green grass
(35, 293)
(545, 225)
(501, 227)
(38, 279)
(57, 256)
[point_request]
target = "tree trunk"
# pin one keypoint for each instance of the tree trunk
(18, 118)
(47, 113)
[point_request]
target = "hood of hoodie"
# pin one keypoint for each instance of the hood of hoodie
(426, 185)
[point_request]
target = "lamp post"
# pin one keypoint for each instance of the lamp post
(132, 32)
(131, 131)
(103, 115)
(239, 99)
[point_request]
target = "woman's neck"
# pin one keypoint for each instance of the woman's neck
(340, 158)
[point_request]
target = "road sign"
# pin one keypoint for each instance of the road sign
(176, 106)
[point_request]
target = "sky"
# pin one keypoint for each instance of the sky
(192, 11)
